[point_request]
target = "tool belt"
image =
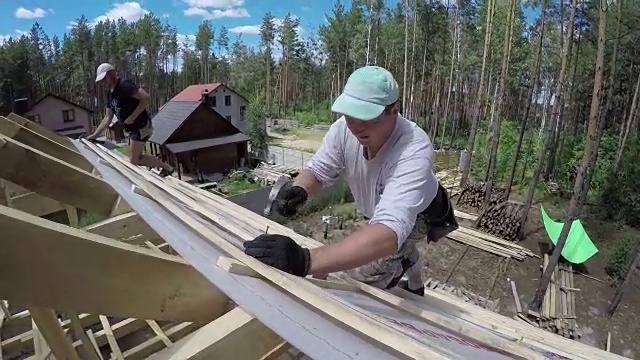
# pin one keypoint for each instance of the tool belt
(439, 216)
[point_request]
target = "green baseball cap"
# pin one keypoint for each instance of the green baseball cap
(368, 91)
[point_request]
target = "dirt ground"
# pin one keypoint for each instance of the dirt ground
(478, 268)
(298, 138)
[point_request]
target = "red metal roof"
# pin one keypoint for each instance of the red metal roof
(194, 92)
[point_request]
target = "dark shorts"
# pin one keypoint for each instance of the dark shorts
(141, 131)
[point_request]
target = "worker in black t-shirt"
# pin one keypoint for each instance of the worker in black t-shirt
(128, 103)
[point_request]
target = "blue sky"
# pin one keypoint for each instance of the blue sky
(239, 16)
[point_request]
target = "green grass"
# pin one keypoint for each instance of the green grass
(124, 149)
(237, 184)
(306, 134)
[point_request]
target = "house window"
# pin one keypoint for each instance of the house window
(212, 101)
(35, 119)
(242, 111)
(227, 100)
(229, 118)
(68, 115)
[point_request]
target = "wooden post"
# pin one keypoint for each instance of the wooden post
(50, 328)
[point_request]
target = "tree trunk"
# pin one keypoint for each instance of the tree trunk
(475, 117)
(589, 159)
(555, 112)
(620, 289)
(630, 121)
(530, 98)
(496, 115)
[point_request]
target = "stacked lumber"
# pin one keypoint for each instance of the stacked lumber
(450, 180)
(269, 174)
(465, 295)
(490, 243)
(558, 313)
(472, 195)
(502, 220)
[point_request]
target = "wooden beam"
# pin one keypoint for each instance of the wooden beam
(113, 343)
(128, 227)
(5, 197)
(47, 264)
(153, 345)
(88, 351)
(50, 328)
(22, 134)
(62, 140)
(48, 176)
(277, 351)
(36, 204)
(235, 335)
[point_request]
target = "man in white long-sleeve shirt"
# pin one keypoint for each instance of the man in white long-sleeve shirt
(387, 161)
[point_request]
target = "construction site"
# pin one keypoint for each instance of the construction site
(162, 275)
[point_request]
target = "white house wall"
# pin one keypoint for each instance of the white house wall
(233, 110)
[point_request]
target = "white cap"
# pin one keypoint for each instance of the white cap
(102, 70)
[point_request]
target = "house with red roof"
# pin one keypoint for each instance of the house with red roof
(224, 100)
(202, 131)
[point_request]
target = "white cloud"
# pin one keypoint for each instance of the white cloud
(216, 9)
(255, 29)
(217, 4)
(246, 29)
(37, 13)
(233, 13)
(16, 35)
(129, 11)
(186, 40)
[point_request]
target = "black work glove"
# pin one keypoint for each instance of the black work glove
(281, 252)
(289, 200)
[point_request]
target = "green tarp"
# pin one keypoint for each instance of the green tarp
(578, 248)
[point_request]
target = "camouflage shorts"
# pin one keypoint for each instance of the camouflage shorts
(140, 133)
(386, 272)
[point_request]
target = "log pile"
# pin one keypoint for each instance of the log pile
(502, 220)
(558, 310)
(472, 195)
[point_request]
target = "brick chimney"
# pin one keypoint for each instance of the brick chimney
(204, 96)
(20, 106)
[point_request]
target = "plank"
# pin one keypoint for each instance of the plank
(113, 343)
(62, 140)
(88, 350)
(128, 227)
(36, 204)
(516, 297)
(80, 189)
(96, 272)
(155, 344)
(50, 328)
(30, 138)
(235, 335)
